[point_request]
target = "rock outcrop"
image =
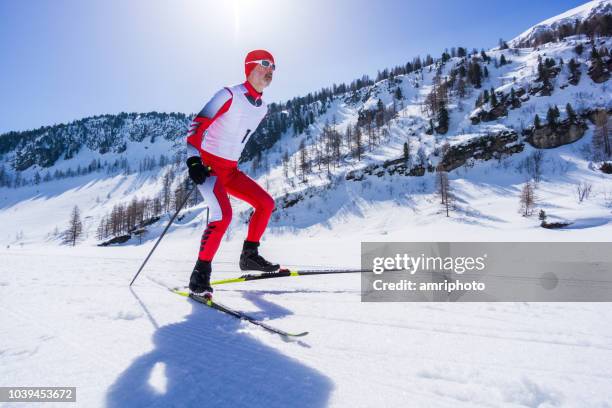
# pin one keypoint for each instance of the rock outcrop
(548, 137)
(482, 148)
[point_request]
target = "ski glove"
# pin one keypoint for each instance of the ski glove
(197, 170)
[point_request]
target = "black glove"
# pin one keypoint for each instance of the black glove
(197, 170)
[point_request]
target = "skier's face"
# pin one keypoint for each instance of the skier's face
(261, 76)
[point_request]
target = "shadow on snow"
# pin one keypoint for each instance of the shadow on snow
(207, 362)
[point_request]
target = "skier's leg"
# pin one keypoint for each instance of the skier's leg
(243, 187)
(219, 217)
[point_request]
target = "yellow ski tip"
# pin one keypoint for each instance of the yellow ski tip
(180, 292)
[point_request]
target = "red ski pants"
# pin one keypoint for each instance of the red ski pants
(225, 178)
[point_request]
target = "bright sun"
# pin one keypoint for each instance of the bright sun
(240, 7)
(245, 11)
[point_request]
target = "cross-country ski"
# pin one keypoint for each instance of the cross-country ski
(239, 315)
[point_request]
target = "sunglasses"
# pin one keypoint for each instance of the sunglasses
(263, 63)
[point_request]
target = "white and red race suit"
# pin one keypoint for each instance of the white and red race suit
(218, 135)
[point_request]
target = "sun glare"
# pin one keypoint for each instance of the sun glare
(246, 12)
(240, 9)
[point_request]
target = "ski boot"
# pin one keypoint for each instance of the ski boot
(199, 283)
(250, 260)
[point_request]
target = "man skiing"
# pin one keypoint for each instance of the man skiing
(215, 141)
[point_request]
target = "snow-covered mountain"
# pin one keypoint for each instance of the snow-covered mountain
(589, 15)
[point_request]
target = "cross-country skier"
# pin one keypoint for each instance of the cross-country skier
(215, 141)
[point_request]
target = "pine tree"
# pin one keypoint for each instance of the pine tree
(304, 163)
(398, 94)
(542, 215)
(167, 184)
(75, 228)
(502, 60)
(598, 67)
(444, 191)
(475, 74)
(102, 232)
(514, 99)
(551, 117)
(462, 71)
(358, 142)
(493, 98)
(574, 71)
(571, 115)
(536, 122)
(527, 199)
(442, 119)
(285, 161)
(460, 88)
(406, 151)
(348, 137)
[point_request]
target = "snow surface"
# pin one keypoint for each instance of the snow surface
(69, 319)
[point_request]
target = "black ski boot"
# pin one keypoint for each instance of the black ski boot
(250, 260)
(199, 283)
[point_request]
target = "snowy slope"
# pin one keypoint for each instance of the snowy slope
(580, 13)
(338, 201)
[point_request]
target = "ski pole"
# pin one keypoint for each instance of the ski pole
(163, 233)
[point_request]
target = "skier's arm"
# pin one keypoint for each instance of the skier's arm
(217, 106)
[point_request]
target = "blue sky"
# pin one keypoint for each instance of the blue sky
(67, 59)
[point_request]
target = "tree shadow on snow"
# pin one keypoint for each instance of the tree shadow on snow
(206, 361)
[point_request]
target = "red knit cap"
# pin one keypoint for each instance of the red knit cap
(256, 55)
